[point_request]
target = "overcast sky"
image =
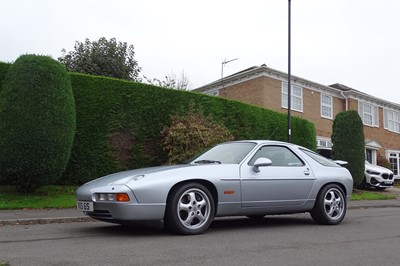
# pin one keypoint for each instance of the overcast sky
(352, 42)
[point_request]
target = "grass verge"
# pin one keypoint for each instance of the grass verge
(369, 195)
(3, 263)
(43, 198)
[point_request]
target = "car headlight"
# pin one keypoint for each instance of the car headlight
(110, 197)
(373, 172)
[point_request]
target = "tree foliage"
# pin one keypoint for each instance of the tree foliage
(349, 144)
(190, 134)
(103, 58)
(37, 122)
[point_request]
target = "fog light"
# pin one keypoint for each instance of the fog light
(122, 197)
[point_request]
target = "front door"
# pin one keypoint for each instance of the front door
(287, 182)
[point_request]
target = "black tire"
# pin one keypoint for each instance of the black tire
(190, 209)
(330, 207)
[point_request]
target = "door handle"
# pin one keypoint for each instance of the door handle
(307, 172)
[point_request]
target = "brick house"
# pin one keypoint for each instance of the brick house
(267, 87)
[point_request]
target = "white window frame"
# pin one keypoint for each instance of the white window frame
(328, 106)
(324, 142)
(362, 106)
(391, 120)
(284, 95)
(395, 156)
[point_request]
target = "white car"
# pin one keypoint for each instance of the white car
(377, 176)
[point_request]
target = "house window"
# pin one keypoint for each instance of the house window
(368, 113)
(213, 93)
(296, 97)
(326, 106)
(371, 156)
(391, 120)
(394, 159)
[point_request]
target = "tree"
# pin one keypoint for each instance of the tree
(349, 144)
(103, 58)
(37, 122)
(171, 81)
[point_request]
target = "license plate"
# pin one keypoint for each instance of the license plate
(388, 182)
(86, 206)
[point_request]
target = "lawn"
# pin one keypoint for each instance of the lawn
(43, 198)
(64, 197)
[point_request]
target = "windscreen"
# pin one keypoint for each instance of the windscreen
(229, 153)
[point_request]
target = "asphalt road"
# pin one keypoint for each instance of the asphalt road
(366, 237)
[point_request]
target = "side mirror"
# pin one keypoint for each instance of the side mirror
(340, 162)
(261, 162)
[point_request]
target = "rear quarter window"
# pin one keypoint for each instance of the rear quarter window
(320, 159)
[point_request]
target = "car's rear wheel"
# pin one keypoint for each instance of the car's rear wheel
(190, 209)
(330, 207)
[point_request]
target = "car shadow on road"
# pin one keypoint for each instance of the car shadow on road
(218, 225)
(238, 223)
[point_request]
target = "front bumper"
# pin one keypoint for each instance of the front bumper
(374, 182)
(126, 212)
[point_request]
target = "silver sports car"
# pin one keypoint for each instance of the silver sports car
(249, 178)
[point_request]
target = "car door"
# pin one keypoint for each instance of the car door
(286, 182)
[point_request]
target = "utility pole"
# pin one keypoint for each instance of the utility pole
(289, 80)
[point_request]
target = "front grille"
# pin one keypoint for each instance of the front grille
(99, 214)
(387, 176)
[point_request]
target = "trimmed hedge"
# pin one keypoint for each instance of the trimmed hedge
(4, 67)
(119, 124)
(37, 122)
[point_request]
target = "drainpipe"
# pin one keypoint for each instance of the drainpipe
(347, 104)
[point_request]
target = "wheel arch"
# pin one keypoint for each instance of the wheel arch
(342, 187)
(209, 185)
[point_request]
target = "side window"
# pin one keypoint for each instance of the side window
(279, 155)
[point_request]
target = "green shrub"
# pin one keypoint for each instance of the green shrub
(190, 134)
(382, 161)
(37, 122)
(349, 144)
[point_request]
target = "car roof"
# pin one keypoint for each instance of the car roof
(266, 142)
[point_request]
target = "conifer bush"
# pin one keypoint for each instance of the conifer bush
(37, 122)
(349, 144)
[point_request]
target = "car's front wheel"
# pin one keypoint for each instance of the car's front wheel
(190, 209)
(330, 207)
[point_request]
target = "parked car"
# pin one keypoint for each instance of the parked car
(249, 178)
(377, 176)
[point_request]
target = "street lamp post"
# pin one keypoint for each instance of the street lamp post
(289, 81)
